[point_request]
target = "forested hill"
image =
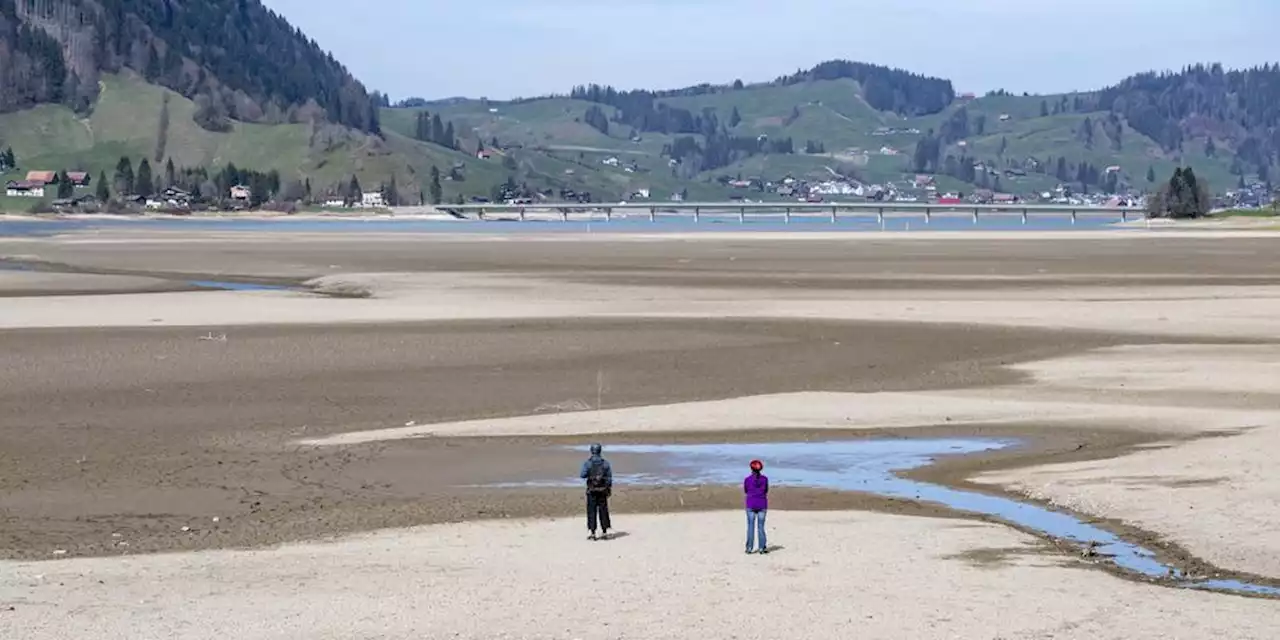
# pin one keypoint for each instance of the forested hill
(237, 59)
(883, 88)
(1234, 112)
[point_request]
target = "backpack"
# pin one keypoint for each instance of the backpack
(597, 481)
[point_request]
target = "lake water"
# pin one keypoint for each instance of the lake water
(869, 466)
(236, 286)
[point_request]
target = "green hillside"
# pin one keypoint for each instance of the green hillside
(128, 120)
(816, 126)
(1027, 134)
(1003, 131)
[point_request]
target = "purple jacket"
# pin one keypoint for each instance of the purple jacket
(757, 489)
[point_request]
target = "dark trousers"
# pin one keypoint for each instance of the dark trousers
(598, 506)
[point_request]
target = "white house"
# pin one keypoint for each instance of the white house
(241, 192)
(336, 203)
(24, 189)
(371, 199)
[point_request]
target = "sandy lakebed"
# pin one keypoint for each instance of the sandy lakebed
(284, 434)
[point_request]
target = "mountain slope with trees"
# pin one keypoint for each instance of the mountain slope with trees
(881, 124)
(236, 59)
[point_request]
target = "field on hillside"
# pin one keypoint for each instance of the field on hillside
(127, 121)
(833, 113)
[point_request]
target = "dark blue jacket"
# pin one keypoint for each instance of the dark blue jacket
(608, 470)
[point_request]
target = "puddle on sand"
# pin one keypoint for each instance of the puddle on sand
(869, 466)
(236, 286)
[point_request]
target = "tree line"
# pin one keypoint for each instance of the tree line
(640, 110)
(129, 180)
(431, 128)
(142, 178)
(721, 150)
(884, 88)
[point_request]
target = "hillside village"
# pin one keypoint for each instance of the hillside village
(76, 192)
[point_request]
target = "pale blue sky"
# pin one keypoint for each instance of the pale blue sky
(508, 48)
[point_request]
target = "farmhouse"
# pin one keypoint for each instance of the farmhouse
(24, 189)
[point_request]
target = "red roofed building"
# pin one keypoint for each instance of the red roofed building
(79, 178)
(44, 177)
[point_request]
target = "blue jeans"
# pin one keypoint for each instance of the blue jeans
(755, 521)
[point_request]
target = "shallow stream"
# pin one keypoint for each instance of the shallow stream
(870, 465)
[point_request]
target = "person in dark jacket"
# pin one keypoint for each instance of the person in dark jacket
(599, 476)
(756, 488)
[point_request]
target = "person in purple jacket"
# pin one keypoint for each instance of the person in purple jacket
(756, 488)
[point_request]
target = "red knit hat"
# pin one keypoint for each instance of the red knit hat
(756, 465)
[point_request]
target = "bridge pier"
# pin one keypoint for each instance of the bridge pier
(521, 214)
(975, 215)
(1073, 217)
(834, 211)
(928, 215)
(742, 215)
(480, 215)
(696, 212)
(880, 216)
(786, 216)
(653, 214)
(608, 215)
(1124, 216)
(1024, 216)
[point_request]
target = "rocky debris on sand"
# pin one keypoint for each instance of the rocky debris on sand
(340, 287)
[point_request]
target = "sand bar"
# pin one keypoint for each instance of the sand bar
(841, 574)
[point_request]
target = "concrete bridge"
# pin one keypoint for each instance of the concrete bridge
(597, 211)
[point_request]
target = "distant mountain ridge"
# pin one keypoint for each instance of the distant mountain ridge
(883, 124)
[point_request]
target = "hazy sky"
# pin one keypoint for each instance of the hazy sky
(508, 48)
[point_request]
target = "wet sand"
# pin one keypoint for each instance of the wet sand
(128, 416)
(145, 431)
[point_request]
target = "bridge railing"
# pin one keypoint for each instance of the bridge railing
(786, 209)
